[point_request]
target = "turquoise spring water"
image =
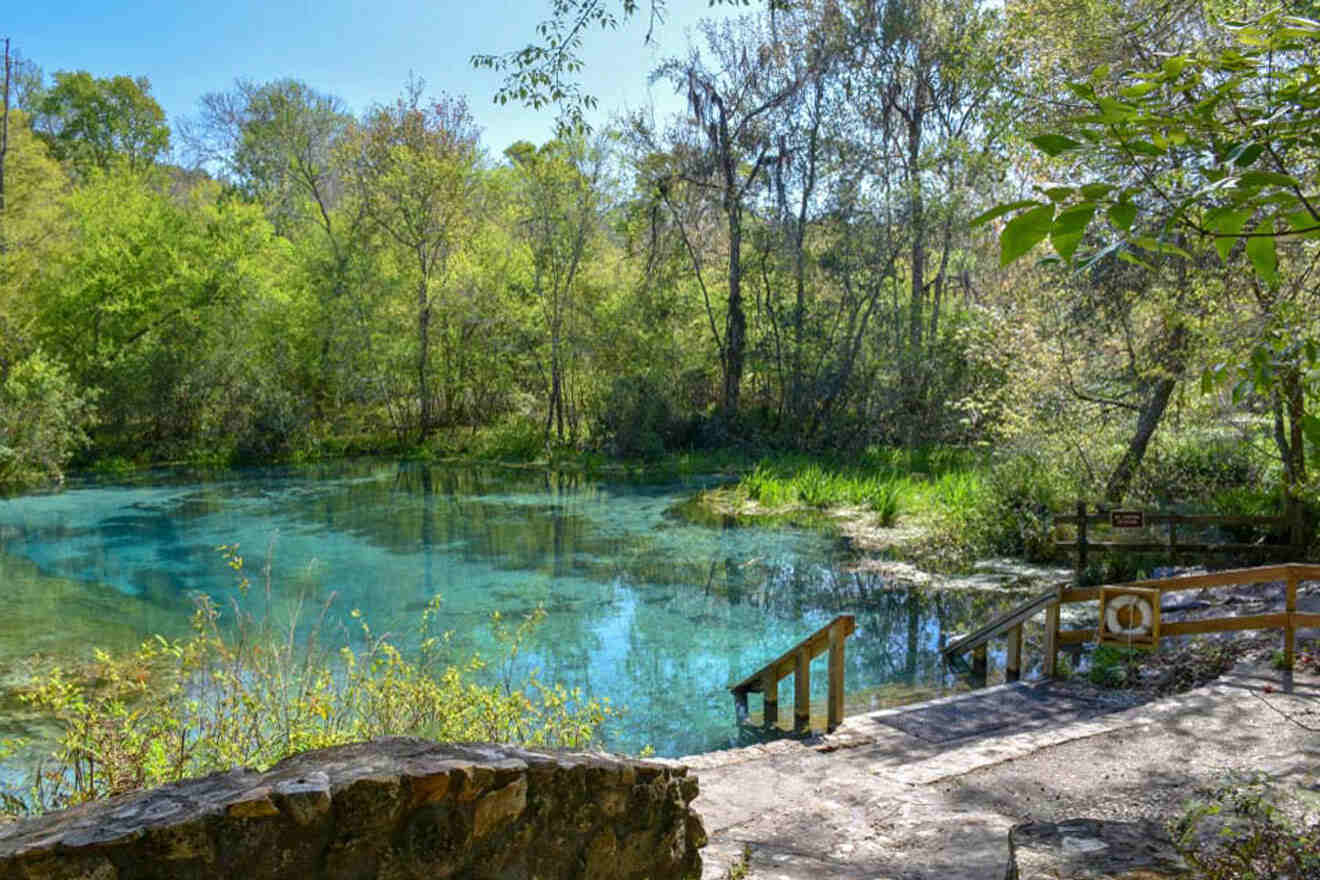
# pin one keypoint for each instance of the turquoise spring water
(657, 614)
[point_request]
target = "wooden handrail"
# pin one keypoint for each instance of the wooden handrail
(797, 660)
(1001, 624)
(1010, 622)
(1226, 578)
(1086, 515)
(1193, 519)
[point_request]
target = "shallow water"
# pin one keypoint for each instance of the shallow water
(657, 614)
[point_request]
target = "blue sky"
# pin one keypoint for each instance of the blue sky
(360, 51)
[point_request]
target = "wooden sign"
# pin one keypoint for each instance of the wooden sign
(1129, 616)
(1127, 519)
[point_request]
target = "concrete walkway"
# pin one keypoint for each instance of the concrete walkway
(930, 790)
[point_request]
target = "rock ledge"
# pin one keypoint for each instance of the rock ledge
(396, 807)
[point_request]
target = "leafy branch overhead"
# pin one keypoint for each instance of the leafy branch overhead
(546, 72)
(1220, 145)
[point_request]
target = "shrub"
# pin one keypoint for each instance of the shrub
(1196, 467)
(253, 692)
(637, 420)
(1112, 666)
(1008, 510)
(516, 439)
(44, 419)
(1255, 839)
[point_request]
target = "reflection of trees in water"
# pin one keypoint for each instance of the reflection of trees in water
(691, 655)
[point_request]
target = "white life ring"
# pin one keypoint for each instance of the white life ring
(1114, 605)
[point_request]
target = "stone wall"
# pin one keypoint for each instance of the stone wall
(392, 808)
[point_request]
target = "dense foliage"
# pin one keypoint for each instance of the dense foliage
(822, 254)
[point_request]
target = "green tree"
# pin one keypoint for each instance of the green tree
(560, 200)
(276, 142)
(281, 144)
(724, 149)
(414, 169)
(137, 302)
(91, 122)
(1216, 147)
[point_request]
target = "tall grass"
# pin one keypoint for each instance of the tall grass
(887, 482)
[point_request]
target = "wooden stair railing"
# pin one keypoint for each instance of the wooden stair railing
(797, 661)
(1009, 622)
(1289, 620)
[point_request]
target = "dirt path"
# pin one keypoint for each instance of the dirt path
(930, 790)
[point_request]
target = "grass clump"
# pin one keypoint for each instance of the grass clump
(1114, 667)
(257, 690)
(884, 481)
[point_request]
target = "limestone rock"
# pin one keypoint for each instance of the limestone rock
(392, 808)
(1091, 849)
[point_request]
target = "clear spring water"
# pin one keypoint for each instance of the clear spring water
(658, 614)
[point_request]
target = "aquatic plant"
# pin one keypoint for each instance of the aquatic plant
(262, 687)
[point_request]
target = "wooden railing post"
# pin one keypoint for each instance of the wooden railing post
(770, 693)
(1051, 662)
(1081, 539)
(1296, 523)
(834, 713)
(980, 665)
(1290, 631)
(796, 661)
(1013, 663)
(802, 691)
(1173, 540)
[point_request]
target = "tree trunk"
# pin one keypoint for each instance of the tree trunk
(735, 334)
(1121, 479)
(1175, 361)
(4, 148)
(1289, 399)
(424, 359)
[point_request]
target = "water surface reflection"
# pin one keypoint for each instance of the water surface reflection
(655, 613)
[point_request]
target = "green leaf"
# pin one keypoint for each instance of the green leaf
(1024, 232)
(1144, 148)
(1260, 250)
(1129, 257)
(1311, 428)
(1266, 178)
(1156, 246)
(1122, 215)
(999, 211)
(1248, 154)
(1054, 144)
(1113, 110)
(1173, 66)
(1096, 190)
(1058, 194)
(1304, 224)
(1137, 91)
(1085, 91)
(1069, 227)
(1227, 226)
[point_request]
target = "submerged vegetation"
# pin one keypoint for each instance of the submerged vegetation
(266, 683)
